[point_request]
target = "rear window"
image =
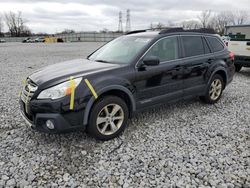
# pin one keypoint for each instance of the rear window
(193, 45)
(215, 44)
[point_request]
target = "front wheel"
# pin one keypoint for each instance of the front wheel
(108, 118)
(214, 90)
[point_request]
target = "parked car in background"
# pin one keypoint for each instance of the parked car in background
(129, 74)
(28, 40)
(241, 50)
(40, 39)
(2, 41)
(225, 39)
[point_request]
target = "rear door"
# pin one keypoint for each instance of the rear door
(197, 58)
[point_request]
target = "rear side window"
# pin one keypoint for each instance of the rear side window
(215, 44)
(206, 48)
(193, 45)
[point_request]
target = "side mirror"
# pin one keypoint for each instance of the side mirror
(151, 61)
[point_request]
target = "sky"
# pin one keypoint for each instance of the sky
(94, 15)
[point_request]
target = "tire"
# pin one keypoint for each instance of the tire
(238, 68)
(112, 114)
(214, 90)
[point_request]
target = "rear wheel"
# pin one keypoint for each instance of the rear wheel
(108, 118)
(238, 68)
(214, 90)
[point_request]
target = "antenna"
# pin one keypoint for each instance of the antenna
(128, 24)
(120, 29)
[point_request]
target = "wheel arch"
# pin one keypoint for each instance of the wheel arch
(115, 90)
(222, 72)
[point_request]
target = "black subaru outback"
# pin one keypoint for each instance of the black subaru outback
(130, 73)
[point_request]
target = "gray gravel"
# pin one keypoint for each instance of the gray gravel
(187, 144)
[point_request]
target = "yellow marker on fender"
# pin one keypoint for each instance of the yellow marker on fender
(72, 96)
(24, 82)
(91, 88)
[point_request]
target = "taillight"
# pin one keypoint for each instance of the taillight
(231, 55)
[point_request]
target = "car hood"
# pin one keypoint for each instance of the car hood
(64, 70)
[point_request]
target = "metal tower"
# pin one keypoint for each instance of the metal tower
(120, 29)
(128, 24)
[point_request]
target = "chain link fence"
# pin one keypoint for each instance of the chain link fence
(74, 37)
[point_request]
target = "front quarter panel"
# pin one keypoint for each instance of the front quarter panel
(118, 79)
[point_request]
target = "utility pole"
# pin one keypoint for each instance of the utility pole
(128, 24)
(120, 29)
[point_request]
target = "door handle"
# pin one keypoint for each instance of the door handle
(210, 60)
(178, 68)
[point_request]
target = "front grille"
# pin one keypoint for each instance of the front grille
(28, 91)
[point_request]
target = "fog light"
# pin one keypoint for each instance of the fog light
(50, 124)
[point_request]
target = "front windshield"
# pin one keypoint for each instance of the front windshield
(121, 50)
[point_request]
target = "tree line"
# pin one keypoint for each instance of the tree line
(15, 23)
(211, 20)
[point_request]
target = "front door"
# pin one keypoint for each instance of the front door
(163, 82)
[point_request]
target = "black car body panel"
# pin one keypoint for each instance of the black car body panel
(139, 85)
(77, 67)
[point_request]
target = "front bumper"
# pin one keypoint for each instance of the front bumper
(27, 121)
(66, 122)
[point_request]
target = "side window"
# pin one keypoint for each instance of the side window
(193, 45)
(206, 47)
(215, 44)
(166, 49)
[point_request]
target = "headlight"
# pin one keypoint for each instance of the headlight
(59, 90)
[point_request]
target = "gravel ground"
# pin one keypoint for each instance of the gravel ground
(187, 144)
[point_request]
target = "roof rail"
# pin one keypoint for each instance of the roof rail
(175, 29)
(180, 29)
(136, 31)
(171, 30)
(155, 29)
(203, 30)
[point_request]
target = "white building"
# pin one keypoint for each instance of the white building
(238, 31)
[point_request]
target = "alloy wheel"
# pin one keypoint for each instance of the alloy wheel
(110, 119)
(215, 89)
